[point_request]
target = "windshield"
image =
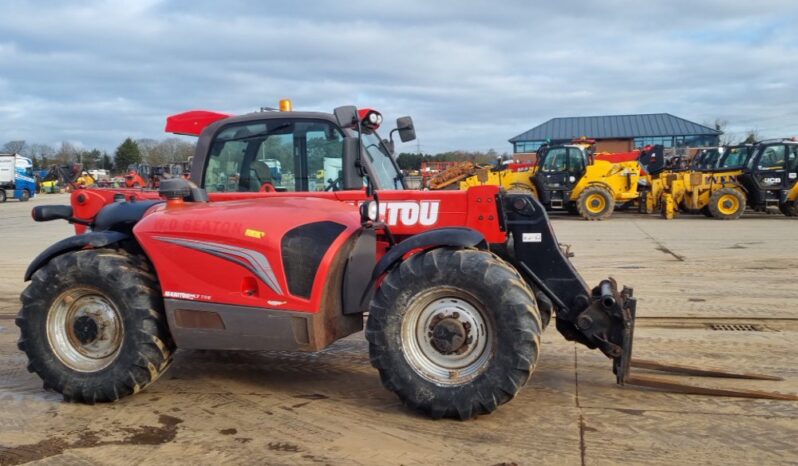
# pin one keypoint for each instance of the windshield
(385, 169)
(734, 157)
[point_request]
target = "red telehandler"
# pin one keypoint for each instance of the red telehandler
(458, 285)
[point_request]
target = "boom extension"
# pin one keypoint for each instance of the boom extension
(603, 317)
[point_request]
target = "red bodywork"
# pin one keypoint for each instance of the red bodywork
(406, 212)
(619, 157)
(192, 123)
(253, 225)
(134, 180)
(258, 221)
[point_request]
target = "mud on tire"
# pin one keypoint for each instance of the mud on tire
(93, 326)
(790, 209)
(595, 203)
(727, 204)
(436, 293)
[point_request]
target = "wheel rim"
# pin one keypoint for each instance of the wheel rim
(446, 337)
(595, 203)
(728, 204)
(84, 329)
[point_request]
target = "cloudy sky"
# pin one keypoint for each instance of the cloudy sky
(472, 74)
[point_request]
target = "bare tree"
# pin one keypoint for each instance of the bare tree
(14, 147)
(67, 154)
(146, 148)
(170, 150)
(725, 139)
(41, 150)
(752, 136)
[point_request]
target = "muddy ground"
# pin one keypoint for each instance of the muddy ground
(694, 277)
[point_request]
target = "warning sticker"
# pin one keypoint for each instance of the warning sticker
(531, 238)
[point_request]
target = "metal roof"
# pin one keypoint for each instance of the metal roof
(615, 126)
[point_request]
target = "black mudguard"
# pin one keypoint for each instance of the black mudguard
(94, 239)
(455, 237)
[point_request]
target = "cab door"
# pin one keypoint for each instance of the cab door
(791, 172)
(767, 174)
(559, 172)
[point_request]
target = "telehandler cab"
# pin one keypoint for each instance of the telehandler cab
(458, 285)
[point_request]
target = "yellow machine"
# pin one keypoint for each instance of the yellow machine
(85, 180)
(715, 194)
(569, 177)
(713, 189)
(510, 178)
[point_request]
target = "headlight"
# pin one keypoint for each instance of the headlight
(369, 211)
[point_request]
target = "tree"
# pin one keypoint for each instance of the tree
(67, 154)
(408, 161)
(106, 163)
(41, 154)
(126, 154)
(14, 147)
(724, 139)
(169, 150)
(146, 148)
(751, 136)
(90, 159)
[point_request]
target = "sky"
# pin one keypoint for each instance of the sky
(472, 74)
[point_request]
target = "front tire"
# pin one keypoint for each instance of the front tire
(790, 209)
(93, 327)
(595, 203)
(727, 204)
(25, 196)
(454, 333)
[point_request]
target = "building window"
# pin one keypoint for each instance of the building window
(665, 141)
(678, 141)
(527, 146)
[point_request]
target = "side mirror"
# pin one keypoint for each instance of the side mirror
(346, 116)
(352, 179)
(407, 132)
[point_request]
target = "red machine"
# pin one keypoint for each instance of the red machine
(134, 180)
(458, 285)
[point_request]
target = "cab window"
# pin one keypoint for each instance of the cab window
(556, 160)
(576, 160)
(792, 157)
(772, 157)
(275, 155)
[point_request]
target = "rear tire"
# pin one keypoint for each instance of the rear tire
(595, 203)
(454, 333)
(93, 327)
(2, 195)
(727, 204)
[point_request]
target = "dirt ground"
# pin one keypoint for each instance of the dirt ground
(690, 274)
